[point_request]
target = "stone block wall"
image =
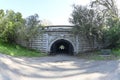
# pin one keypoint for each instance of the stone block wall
(44, 41)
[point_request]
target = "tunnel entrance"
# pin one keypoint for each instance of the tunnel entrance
(61, 47)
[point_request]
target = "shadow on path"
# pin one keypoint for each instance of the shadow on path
(57, 68)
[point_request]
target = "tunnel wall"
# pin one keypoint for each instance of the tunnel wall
(43, 42)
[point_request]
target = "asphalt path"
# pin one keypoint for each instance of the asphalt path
(57, 68)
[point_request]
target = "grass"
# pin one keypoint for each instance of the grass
(96, 55)
(18, 51)
(116, 52)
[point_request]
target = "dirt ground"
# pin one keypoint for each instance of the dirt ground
(57, 68)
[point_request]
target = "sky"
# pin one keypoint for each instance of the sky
(56, 12)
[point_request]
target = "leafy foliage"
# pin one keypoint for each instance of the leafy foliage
(100, 20)
(107, 7)
(88, 23)
(109, 11)
(29, 29)
(111, 37)
(9, 21)
(12, 27)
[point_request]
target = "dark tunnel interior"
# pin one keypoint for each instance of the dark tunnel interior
(62, 47)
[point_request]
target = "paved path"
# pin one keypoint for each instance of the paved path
(57, 68)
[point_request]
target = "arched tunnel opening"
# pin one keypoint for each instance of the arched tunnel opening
(61, 47)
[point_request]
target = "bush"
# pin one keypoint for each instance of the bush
(9, 21)
(112, 37)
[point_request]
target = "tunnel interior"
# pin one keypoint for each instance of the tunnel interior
(61, 47)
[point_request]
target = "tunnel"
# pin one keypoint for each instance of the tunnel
(61, 47)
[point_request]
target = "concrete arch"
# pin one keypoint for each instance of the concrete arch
(62, 39)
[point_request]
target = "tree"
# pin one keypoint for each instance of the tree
(88, 23)
(107, 7)
(30, 29)
(100, 20)
(109, 11)
(9, 21)
(111, 35)
(2, 13)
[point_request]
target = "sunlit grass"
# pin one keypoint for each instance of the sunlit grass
(16, 50)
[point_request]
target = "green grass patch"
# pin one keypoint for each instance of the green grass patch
(97, 55)
(116, 52)
(19, 51)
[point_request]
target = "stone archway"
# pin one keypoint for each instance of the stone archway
(62, 46)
